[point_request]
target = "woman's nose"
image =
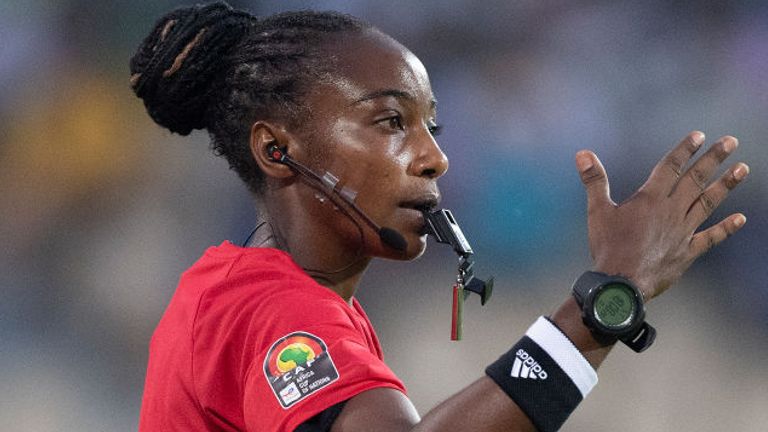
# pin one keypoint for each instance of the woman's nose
(429, 160)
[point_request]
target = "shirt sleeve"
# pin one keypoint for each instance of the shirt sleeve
(315, 358)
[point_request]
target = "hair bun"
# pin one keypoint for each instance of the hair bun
(175, 66)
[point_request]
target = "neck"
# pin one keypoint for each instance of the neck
(340, 273)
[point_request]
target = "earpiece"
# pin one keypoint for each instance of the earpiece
(276, 153)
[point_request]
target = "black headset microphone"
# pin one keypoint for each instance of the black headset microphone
(330, 184)
(440, 224)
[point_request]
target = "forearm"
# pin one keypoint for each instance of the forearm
(484, 406)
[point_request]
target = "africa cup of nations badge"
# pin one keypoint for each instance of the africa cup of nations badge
(298, 365)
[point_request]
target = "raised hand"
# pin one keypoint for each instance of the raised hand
(651, 237)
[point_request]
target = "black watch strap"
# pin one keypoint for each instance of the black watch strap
(642, 339)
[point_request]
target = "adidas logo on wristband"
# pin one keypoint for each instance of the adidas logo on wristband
(526, 367)
(545, 375)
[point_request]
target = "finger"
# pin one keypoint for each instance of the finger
(695, 179)
(715, 193)
(712, 236)
(594, 178)
(666, 173)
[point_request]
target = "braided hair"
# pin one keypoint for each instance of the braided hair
(216, 68)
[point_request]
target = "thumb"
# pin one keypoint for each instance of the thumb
(594, 178)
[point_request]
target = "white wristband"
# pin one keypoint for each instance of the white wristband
(562, 350)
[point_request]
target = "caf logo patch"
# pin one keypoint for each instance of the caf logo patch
(298, 365)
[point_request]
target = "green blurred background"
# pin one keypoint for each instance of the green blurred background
(102, 209)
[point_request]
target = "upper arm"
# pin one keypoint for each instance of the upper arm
(481, 406)
(375, 410)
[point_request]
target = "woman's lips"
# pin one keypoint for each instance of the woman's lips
(424, 203)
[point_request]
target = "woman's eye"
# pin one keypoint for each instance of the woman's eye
(435, 129)
(396, 122)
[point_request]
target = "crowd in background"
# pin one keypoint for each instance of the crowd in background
(102, 210)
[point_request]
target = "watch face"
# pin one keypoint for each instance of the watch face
(615, 306)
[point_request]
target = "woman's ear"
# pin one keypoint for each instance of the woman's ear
(263, 136)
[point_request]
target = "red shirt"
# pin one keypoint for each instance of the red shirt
(251, 342)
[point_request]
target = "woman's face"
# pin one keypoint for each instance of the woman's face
(371, 123)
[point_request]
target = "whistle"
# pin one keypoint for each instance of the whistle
(442, 226)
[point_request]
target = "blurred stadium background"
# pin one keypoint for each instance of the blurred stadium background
(102, 210)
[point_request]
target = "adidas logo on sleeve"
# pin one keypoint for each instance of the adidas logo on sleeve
(526, 367)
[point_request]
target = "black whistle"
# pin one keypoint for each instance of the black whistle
(441, 225)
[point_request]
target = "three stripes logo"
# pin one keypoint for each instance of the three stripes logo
(526, 367)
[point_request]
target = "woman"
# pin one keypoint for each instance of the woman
(270, 336)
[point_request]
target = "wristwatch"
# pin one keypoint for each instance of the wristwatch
(612, 308)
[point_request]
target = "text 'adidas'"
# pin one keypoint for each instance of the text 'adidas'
(526, 367)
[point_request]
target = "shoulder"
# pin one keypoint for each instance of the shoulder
(260, 292)
(252, 274)
(227, 261)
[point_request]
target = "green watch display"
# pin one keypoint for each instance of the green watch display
(612, 308)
